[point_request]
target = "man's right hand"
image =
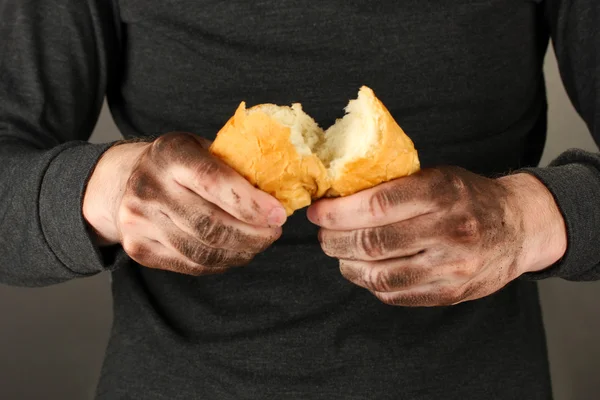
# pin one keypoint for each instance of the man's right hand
(173, 206)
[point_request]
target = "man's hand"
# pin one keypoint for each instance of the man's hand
(173, 206)
(442, 236)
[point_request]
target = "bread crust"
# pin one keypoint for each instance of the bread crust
(258, 147)
(393, 157)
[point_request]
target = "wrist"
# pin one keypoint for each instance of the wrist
(106, 187)
(540, 221)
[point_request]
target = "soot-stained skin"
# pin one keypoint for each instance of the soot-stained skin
(439, 237)
(170, 216)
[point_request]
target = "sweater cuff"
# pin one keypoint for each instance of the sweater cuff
(576, 190)
(61, 216)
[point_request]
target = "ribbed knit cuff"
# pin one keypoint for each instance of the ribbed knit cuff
(60, 209)
(576, 189)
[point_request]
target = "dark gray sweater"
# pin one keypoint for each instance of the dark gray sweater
(462, 77)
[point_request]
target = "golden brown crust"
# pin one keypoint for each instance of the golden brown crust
(259, 148)
(394, 157)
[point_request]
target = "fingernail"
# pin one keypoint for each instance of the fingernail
(277, 216)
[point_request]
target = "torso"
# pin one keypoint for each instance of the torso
(464, 80)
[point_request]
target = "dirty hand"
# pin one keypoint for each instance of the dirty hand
(173, 206)
(442, 236)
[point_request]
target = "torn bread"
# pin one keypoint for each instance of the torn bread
(284, 152)
(366, 147)
(272, 147)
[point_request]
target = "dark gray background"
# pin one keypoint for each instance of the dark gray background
(52, 339)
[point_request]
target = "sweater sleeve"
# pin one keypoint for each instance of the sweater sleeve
(574, 177)
(55, 64)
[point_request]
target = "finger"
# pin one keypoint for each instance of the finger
(147, 230)
(389, 275)
(443, 291)
(194, 215)
(193, 167)
(397, 200)
(216, 182)
(153, 254)
(390, 241)
(203, 255)
(197, 251)
(209, 224)
(434, 294)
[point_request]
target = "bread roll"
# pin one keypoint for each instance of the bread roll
(366, 147)
(284, 152)
(272, 147)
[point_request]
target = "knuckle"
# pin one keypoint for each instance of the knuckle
(407, 278)
(142, 186)
(449, 296)
(462, 271)
(192, 250)
(448, 186)
(369, 243)
(135, 249)
(208, 257)
(161, 144)
(171, 141)
(467, 267)
(132, 209)
(459, 266)
(136, 180)
(378, 280)
(207, 171)
(437, 179)
(468, 228)
(196, 252)
(456, 183)
(128, 215)
(210, 230)
(382, 201)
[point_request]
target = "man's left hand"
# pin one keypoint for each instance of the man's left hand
(442, 236)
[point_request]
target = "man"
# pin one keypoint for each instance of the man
(421, 288)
